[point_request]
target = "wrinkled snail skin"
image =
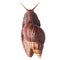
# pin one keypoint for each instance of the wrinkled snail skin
(33, 37)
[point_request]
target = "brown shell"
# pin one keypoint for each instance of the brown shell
(34, 33)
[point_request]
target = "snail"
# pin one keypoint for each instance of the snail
(32, 36)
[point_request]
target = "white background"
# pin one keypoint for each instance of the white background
(11, 17)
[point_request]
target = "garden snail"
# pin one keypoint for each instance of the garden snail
(33, 37)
